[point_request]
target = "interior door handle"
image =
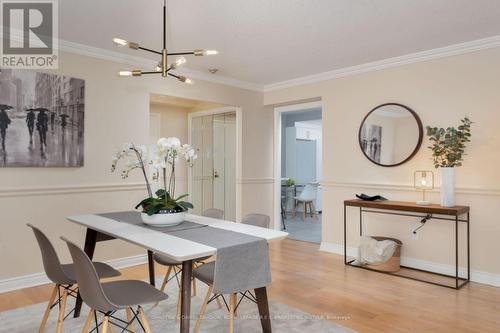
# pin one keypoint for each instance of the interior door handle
(216, 174)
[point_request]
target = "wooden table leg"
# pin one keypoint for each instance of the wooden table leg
(263, 305)
(187, 268)
(90, 241)
(151, 264)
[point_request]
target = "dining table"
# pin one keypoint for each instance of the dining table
(196, 237)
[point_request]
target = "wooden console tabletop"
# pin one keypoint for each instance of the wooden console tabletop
(405, 206)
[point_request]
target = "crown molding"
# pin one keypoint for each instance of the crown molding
(99, 53)
(118, 57)
(447, 51)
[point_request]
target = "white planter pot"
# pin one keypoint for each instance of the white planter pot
(448, 187)
(163, 219)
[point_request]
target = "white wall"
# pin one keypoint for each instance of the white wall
(441, 92)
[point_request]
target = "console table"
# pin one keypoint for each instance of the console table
(457, 214)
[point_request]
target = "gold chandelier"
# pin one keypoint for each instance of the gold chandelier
(164, 67)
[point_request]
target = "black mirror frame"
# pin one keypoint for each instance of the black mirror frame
(420, 134)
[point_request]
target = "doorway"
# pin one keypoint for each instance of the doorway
(299, 170)
(214, 135)
(214, 130)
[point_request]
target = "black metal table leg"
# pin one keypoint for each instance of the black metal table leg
(468, 246)
(151, 266)
(345, 235)
(456, 252)
(90, 241)
(360, 221)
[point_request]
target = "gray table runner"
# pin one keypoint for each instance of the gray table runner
(242, 260)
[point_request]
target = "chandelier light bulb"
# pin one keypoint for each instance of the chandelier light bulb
(125, 73)
(180, 61)
(210, 52)
(185, 80)
(120, 42)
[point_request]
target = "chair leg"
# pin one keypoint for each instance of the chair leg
(304, 212)
(105, 324)
(203, 308)
(88, 321)
(294, 210)
(178, 309)
(165, 280)
(232, 308)
(314, 214)
(47, 311)
(219, 302)
(129, 319)
(144, 321)
(194, 287)
(60, 319)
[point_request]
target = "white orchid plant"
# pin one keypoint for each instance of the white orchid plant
(164, 156)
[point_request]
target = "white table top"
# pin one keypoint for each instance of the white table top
(174, 247)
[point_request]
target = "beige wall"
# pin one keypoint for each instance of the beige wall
(116, 111)
(174, 122)
(441, 92)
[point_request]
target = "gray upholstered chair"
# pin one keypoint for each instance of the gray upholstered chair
(109, 297)
(206, 274)
(214, 213)
(176, 266)
(63, 277)
(258, 220)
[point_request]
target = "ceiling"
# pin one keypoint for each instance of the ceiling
(269, 41)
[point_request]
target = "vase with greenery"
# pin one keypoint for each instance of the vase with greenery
(448, 150)
(161, 207)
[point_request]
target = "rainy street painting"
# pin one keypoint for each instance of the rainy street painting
(41, 119)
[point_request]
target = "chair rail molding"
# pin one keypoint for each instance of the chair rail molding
(255, 180)
(476, 276)
(74, 189)
(408, 188)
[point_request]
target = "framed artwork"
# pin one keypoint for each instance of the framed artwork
(41, 119)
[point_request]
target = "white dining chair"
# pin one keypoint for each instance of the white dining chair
(307, 198)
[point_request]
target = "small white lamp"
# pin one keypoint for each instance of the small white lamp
(424, 180)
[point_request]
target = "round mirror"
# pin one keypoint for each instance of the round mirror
(390, 134)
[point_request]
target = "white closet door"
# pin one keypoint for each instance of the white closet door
(230, 166)
(219, 161)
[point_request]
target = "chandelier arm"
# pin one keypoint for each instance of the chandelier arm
(148, 50)
(173, 75)
(164, 24)
(151, 72)
(180, 53)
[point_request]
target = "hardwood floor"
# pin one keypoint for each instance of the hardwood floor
(319, 283)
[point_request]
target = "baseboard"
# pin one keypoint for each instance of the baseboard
(476, 276)
(37, 279)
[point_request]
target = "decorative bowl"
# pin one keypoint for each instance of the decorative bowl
(163, 219)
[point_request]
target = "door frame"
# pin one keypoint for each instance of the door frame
(239, 155)
(278, 111)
